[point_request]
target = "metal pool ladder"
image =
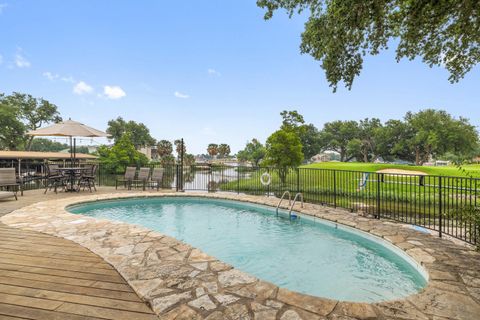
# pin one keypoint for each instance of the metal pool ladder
(299, 194)
(283, 196)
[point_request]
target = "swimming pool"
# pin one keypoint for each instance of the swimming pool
(307, 255)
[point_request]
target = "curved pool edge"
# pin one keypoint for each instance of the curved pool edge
(175, 277)
(308, 215)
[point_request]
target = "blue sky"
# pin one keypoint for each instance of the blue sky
(207, 71)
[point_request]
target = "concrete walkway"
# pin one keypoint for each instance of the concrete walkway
(46, 277)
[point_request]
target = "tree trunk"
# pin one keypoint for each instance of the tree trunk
(29, 143)
(417, 156)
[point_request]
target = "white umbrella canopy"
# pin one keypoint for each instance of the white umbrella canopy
(68, 128)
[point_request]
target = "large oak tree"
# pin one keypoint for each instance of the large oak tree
(340, 34)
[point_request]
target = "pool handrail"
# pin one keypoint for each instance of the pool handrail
(299, 194)
(281, 199)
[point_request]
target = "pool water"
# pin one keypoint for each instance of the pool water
(305, 255)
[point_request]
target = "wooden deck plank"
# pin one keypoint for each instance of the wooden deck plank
(49, 255)
(105, 293)
(48, 244)
(47, 278)
(64, 273)
(51, 241)
(87, 264)
(56, 265)
(116, 278)
(112, 286)
(29, 301)
(104, 312)
(3, 317)
(40, 248)
(39, 314)
(75, 298)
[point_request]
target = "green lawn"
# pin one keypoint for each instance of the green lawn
(470, 169)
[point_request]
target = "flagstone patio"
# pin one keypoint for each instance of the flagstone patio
(181, 282)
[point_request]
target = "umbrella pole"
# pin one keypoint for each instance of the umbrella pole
(75, 150)
(71, 151)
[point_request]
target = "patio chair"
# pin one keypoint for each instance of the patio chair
(127, 178)
(54, 177)
(8, 181)
(156, 179)
(87, 178)
(143, 176)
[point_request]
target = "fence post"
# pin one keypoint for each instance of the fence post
(238, 179)
(176, 180)
(298, 180)
(440, 207)
(378, 195)
(268, 186)
(334, 188)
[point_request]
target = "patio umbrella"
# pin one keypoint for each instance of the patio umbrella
(68, 128)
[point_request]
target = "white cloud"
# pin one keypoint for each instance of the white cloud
(113, 92)
(82, 88)
(1, 59)
(50, 76)
(20, 60)
(55, 76)
(3, 6)
(181, 95)
(68, 79)
(214, 72)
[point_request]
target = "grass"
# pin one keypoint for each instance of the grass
(470, 169)
(399, 194)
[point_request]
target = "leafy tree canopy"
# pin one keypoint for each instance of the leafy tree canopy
(212, 149)
(284, 150)
(178, 148)
(223, 150)
(254, 152)
(164, 148)
(188, 159)
(291, 119)
(340, 34)
(417, 138)
(436, 132)
(122, 154)
(308, 133)
(138, 132)
(25, 113)
(12, 129)
(336, 136)
(46, 145)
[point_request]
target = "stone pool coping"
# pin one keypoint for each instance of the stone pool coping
(182, 282)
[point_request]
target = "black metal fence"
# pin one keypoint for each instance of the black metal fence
(445, 204)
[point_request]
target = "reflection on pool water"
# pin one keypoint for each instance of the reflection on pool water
(305, 255)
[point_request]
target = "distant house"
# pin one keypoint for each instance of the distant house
(321, 157)
(150, 152)
(437, 163)
(325, 157)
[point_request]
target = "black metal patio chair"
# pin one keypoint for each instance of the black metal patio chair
(127, 179)
(87, 178)
(54, 178)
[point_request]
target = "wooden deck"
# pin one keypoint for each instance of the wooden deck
(43, 277)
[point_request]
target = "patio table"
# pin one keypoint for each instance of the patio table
(71, 172)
